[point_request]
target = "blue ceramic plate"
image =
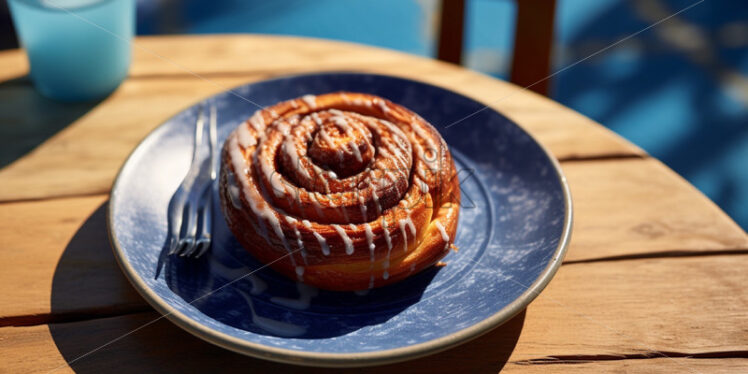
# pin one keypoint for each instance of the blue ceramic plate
(515, 222)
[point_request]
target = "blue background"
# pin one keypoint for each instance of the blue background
(679, 90)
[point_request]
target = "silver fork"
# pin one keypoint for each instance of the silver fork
(193, 200)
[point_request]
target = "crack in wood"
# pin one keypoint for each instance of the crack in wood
(661, 254)
(579, 359)
(603, 157)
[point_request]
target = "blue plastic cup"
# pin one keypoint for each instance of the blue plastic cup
(79, 50)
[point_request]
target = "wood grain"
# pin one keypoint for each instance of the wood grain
(58, 264)
(640, 207)
(610, 312)
(83, 157)
(622, 209)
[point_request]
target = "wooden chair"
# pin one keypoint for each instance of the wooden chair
(533, 39)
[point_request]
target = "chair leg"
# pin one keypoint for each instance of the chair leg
(451, 31)
(533, 41)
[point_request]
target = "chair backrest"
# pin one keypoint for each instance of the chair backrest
(533, 40)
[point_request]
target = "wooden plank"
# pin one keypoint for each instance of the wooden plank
(592, 312)
(622, 208)
(640, 207)
(13, 63)
(636, 366)
(57, 263)
(165, 347)
(83, 157)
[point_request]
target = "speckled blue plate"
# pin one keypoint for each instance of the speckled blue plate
(515, 223)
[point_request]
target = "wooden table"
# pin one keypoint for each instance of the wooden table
(655, 278)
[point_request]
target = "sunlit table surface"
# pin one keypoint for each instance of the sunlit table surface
(654, 280)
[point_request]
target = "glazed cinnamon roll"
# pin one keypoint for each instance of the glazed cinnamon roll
(343, 191)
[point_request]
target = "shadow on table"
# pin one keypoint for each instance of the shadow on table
(87, 276)
(127, 336)
(29, 118)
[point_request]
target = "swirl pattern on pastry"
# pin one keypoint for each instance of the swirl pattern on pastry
(343, 191)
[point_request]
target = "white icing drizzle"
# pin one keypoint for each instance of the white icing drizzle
(382, 105)
(233, 190)
(386, 234)
(232, 274)
(387, 238)
(370, 240)
(246, 139)
(322, 243)
(439, 226)
(316, 119)
(425, 136)
(345, 213)
(411, 226)
(257, 121)
(278, 187)
(402, 223)
(320, 239)
(342, 122)
(326, 137)
(363, 206)
(315, 202)
(299, 241)
(356, 151)
(376, 201)
(310, 100)
(395, 153)
(348, 242)
(306, 293)
(423, 185)
(291, 151)
(371, 246)
(276, 327)
(238, 163)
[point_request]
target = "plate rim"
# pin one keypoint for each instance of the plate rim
(341, 360)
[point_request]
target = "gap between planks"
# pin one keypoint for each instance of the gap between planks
(578, 359)
(52, 318)
(544, 361)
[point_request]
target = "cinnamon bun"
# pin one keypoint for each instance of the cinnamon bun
(343, 191)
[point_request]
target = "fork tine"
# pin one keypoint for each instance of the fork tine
(204, 239)
(179, 205)
(188, 241)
